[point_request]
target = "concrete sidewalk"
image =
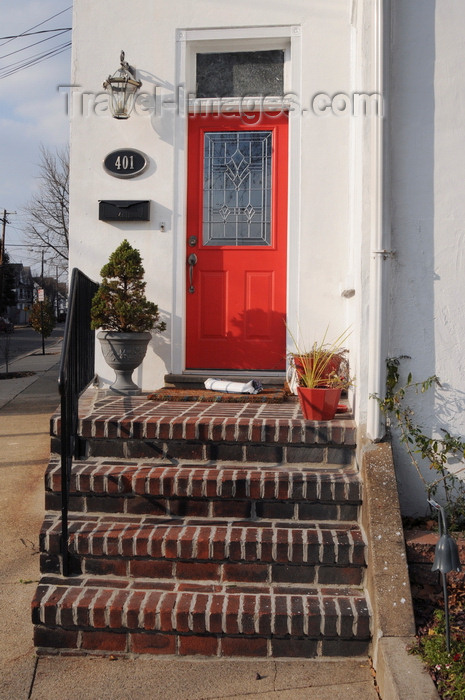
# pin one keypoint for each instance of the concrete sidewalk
(25, 409)
(38, 364)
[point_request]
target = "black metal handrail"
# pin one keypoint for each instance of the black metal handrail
(75, 374)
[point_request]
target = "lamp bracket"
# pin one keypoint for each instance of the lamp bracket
(125, 64)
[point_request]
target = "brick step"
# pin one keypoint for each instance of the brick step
(195, 528)
(203, 550)
(297, 492)
(247, 452)
(126, 616)
(135, 427)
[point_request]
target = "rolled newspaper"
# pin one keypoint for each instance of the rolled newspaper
(252, 387)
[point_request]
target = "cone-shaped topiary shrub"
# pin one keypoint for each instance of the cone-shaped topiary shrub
(120, 303)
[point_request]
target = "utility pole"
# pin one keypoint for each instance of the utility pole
(57, 306)
(41, 301)
(4, 221)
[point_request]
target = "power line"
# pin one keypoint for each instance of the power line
(42, 31)
(39, 24)
(33, 60)
(15, 67)
(36, 43)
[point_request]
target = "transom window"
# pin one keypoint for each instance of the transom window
(240, 73)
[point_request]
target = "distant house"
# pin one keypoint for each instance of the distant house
(24, 294)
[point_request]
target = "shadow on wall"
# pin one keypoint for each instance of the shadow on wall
(159, 345)
(412, 112)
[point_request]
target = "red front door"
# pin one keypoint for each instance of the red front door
(236, 242)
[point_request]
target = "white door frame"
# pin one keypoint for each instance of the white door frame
(189, 42)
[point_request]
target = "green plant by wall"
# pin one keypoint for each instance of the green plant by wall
(120, 303)
(446, 668)
(42, 318)
(439, 452)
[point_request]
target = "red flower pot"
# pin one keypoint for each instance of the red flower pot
(320, 403)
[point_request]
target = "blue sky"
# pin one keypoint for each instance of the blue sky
(32, 110)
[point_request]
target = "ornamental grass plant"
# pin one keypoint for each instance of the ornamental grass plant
(324, 365)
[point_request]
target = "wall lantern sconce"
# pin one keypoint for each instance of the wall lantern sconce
(122, 87)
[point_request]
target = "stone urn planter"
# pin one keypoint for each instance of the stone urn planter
(125, 317)
(124, 352)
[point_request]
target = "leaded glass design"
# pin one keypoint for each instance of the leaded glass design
(237, 188)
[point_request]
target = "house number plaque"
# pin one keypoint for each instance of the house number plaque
(125, 162)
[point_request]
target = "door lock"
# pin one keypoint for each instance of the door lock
(192, 241)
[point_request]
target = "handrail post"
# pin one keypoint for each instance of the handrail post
(75, 374)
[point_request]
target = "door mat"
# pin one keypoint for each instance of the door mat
(265, 396)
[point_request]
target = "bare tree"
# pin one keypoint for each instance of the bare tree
(47, 213)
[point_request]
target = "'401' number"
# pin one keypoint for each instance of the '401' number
(125, 163)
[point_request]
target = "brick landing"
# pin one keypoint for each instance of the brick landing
(103, 414)
(137, 427)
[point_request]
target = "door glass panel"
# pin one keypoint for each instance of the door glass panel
(237, 188)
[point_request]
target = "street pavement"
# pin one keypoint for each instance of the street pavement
(25, 409)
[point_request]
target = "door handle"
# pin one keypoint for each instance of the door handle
(191, 261)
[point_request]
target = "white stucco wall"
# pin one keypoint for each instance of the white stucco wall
(428, 213)
(348, 198)
(320, 237)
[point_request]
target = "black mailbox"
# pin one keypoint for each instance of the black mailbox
(124, 210)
